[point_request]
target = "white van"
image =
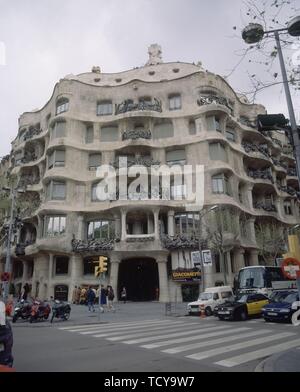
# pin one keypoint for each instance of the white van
(211, 297)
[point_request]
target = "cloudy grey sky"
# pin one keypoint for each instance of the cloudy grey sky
(48, 39)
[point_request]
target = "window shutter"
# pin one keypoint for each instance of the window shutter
(60, 156)
(109, 134)
(176, 155)
(94, 160)
(89, 136)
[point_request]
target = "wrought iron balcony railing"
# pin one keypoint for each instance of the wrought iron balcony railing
(263, 174)
(209, 99)
(137, 134)
(264, 206)
(129, 106)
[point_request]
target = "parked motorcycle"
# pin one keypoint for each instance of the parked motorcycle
(39, 311)
(22, 310)
(61, 310)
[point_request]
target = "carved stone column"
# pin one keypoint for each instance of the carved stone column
(76, 272)
(114, 273)
(251, 230)
(117, 225)
(253, 260)
(163, 280)
(50, 276)
(123, 225)
(171, 231)
(239, 261)
(156, 224)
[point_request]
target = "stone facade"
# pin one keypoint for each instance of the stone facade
(169, 113)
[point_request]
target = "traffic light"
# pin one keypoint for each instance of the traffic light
(102, 267)
(97, 271)
(269, 122)
(103, 263)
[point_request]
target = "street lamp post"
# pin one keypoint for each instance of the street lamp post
(202, 282)
(7, 267)
(254, 33)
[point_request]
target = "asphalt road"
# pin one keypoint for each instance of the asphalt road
(141, 338)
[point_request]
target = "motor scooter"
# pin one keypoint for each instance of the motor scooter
(61, 310)
(22, 310)
(39, 311)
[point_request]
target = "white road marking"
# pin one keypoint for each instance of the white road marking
(238, 346)
(193, 331)
(188, 347)
(197, 337)
(122, 324)
(258, 354)
(131, 328)
(136, 334)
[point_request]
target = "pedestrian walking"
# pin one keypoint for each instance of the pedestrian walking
(103, 294)
(83, 296)
(91, 299)
(124, 295)
(110, 298)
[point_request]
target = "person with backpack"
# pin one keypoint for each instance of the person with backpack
(91, 299)
(110, 298)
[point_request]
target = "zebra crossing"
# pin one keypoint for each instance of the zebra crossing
(221, 344)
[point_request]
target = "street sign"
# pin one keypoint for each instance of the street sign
(5, 276)
(206, 257)
(196, 258)
(290, 268)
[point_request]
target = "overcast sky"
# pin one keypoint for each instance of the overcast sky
(48, 39)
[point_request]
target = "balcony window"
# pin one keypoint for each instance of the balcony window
(61, 265)
(89, 265)
(56, 159)
(163, 130)
(102, 229)
(217, 152)
(287, 207)
(104, 108)
(220, 184)
(176, 157)
(192, 128)
(230, 134)
(62, 106)
(59, 130)
(175, 102)
(178, 192)
(213, 124)
(89, 134)
(187, 224)
(56, 190)
(94, 161)
(109, 134)
(54, 226)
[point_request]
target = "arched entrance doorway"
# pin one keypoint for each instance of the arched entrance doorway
(140, 278)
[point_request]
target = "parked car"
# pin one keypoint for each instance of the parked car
(210, 298)
(242, 306)
(6, 339)
(281, 307)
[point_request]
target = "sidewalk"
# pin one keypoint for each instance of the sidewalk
(131, 311)
(288, 361)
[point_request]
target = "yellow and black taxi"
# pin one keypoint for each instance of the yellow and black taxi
(242, 306)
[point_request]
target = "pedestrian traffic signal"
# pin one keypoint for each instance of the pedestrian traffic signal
(103, 263)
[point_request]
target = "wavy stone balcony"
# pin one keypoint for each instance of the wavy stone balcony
(31, 133)
(138, 161)
(292, 172)
(129, 106)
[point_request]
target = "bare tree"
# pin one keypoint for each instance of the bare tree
(222, 232)
(271, 14)
(271, 238)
